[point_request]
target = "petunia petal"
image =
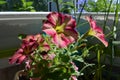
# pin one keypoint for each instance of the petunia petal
(53, 17)
(16, 56)
(21, 59)
(102, 39)
(96, 31)
(47, 24)
(63, 41)
(73, 35)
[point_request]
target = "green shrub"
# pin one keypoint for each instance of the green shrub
(99, 6)
(23, 5)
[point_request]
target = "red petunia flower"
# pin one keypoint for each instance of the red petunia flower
(96, 31)
(61, 27)
(29, 44)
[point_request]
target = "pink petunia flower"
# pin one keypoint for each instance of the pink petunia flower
(28, 64)
(47, 56)
(61, 27)
(73, 77)
(35, 79)
(29, 44)
(96, 31)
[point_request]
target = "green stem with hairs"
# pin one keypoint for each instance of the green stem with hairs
(81, 38)
(99, 71)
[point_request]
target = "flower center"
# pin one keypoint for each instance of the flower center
(60, 29)
(92, 32)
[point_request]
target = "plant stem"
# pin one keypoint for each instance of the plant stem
(81, 13)
(80, 39)
(114, 35)
(87, 65)
(106, 14)
(57, 4)
(99, 65)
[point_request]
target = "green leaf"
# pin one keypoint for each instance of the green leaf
(78, 58)
(85, 52)
(29, 3)
(2, 2)
(21, 36)
(68, 4)
(24, 3)
(30, 73)
(65, 58)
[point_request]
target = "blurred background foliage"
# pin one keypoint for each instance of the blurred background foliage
(23, 5)
(100, 6)
(66, 5)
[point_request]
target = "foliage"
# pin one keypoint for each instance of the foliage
(2, 5)
(39, 4)
(23, 5)
(99, 6)
(67, 7)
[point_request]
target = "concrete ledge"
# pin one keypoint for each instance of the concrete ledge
(22, 15)
(14, 23)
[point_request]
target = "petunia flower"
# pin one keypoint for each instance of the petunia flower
(96, 31)
(49, 56)
(61, 27)
(73, 77)
(28, 64)
(29, 44)
(35, 79)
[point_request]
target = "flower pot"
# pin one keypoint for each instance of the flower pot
(21, 75)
